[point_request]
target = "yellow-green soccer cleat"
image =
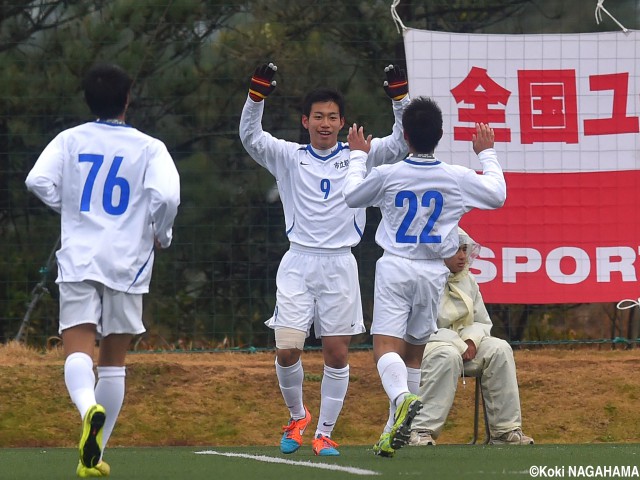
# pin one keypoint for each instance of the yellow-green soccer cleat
(90, 446)
(383, 447)
(406, 412)
(102, 469)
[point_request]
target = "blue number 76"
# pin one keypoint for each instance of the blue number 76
(111, 182)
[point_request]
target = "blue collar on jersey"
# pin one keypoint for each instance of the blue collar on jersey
(113, 122)
(341, 146)
(422, 160)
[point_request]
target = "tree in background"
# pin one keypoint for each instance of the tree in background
(192, 60)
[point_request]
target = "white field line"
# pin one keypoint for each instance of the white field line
(264, 458)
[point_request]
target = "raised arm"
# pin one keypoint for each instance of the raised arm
(392, 148)
(489, 190)
(360, 189)
(266, 150)
(253, 138)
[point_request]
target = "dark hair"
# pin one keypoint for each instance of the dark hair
(422, 123)
(322, 95)
(106, 89)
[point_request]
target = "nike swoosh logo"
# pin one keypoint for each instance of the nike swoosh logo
(302, 163)
(328, 424)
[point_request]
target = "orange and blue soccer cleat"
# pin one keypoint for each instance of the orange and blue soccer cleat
(90, 446)
(101, 469)
(292, 436)
(324, 446)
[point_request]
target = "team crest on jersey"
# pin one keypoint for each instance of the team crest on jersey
(341, 164)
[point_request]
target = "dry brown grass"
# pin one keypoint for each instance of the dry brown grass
(568, 396)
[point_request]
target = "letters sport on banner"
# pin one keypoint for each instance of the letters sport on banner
(565, 109)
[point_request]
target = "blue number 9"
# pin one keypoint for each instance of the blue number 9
(325, 187)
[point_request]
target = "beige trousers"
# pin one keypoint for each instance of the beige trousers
(442, 367)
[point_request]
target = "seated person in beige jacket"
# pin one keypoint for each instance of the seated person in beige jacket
(463, 345)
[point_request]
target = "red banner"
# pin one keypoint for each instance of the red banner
(565, 109)
(560, 238)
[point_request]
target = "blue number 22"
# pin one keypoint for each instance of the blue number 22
(111, 182)
(425, 237)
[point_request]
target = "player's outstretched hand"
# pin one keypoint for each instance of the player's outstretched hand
(262, 82)
(483, 138)
(396, 84)
(357, 140)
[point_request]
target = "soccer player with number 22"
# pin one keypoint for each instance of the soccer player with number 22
(421, 199)
(317, 280)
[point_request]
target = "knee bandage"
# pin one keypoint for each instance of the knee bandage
(289, 338)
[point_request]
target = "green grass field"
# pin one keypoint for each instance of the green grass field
(266, 463)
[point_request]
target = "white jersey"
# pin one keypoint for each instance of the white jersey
(310, 183)
(116, 189)
(422, 200)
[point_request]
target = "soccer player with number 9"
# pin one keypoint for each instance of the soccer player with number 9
(317, 280)
(117, 191)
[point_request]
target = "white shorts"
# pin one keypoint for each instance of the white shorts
(407, 295)
(109, 310)
(318, 287)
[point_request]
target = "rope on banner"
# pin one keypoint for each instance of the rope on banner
(598, 13)
(396, 18)
(599, 9)
(626, 304)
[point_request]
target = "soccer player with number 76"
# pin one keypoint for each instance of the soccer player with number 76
(117, 191)
(421, 199)
(317, 280)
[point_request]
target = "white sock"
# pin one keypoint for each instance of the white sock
(80, 381)
(393, 373)
(413, 380)
(391, 419)
(110, 394)
(333, 389)
(290, 380)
